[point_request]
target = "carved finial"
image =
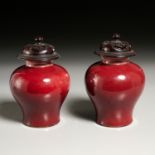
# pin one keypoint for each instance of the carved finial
(116, 36)
(39, 39)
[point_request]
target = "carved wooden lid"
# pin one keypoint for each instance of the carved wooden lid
(38, 51)
(115, 48)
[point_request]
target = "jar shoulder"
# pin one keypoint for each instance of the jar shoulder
(40, 79)
(37, 73)
(114, 68)
(53, 68)
(120, 77)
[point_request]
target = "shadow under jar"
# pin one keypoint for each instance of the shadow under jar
(114, 84)
(40, 86)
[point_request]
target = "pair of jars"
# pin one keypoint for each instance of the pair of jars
(113, 84)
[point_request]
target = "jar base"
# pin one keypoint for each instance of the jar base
(114, 125)
(41, 125)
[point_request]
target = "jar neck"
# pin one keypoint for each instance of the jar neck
(113, 60)
(37, 63)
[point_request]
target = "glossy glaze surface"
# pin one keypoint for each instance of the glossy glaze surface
(40, 92)
(114, 89)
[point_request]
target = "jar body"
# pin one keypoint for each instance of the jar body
(40, 91)
(114, 87)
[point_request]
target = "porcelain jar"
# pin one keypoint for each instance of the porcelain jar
(40, 86)
(114, 83)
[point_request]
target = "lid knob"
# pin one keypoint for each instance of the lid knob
(116, 36)
(39, 39)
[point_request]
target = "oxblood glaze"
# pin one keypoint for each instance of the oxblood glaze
(114, 89)
(40, 92)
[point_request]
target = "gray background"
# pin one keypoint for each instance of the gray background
(76, 34)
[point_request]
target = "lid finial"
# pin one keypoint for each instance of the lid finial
(39, 39)
(116, 36)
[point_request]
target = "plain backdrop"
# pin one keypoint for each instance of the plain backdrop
(76, 32)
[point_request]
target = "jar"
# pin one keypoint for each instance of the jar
(114, 83)
(40, 86)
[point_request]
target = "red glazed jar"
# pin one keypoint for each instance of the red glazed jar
(39, 86)
(114, 84)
